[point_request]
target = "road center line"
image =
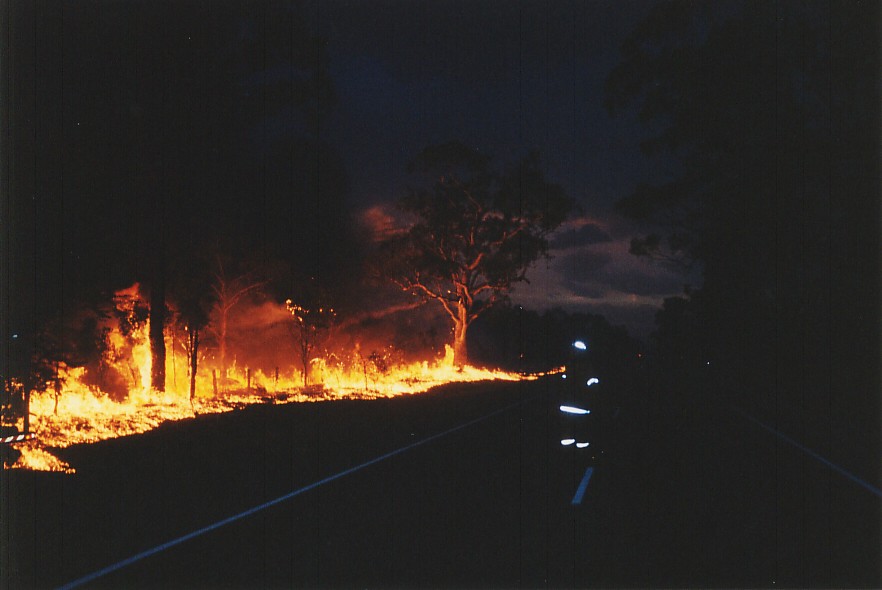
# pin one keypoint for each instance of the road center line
(251, 511)
(583, 485)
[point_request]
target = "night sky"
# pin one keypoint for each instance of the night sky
(504, 77)
(198, 118)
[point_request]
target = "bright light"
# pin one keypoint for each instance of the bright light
(567, 441)
(580, 345)
(564, 376)
(573, 410)
(582, 445)
(592, 381)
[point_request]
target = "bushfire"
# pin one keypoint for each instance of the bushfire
(114, 397)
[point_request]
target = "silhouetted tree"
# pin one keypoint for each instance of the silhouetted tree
(523, 339)
(228, 290)
(758, 113)
(158, 317)
(193, 296)
(311, 327)
(475, 232)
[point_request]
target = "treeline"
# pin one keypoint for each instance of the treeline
(762, 118)
(519, 339)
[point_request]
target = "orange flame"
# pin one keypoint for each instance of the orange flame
(80, 412)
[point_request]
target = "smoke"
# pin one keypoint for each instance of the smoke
(262, 335)
(373, 316)
(109, 342)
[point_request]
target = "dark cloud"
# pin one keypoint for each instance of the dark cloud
(605, 279)
(577, 265)
(586, 235)
(607, 266)
(639, 282)
(594, 270)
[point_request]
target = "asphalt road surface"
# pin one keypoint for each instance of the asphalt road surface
(465, 487)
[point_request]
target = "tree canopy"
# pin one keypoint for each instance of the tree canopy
(475, 231)
(757, 112)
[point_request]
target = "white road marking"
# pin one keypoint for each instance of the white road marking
(843, 472)
(583, 485)
(251, 511)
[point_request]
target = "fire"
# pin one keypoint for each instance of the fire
(35, 458)
(75, 409)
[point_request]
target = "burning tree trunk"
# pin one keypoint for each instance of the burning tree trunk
(222, 338)
(306, 347)
(26, 418)
(157, 308)
(133, 315)
(460, 328)
(157, 335)
(193, 358)
(460, 306)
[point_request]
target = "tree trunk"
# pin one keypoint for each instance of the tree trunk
(194, 359)
(305, 349)
(26, 419)
(304, 373)
(460, 328)
(174, 348)
(57, 383)
(157, 335)
(222, 345)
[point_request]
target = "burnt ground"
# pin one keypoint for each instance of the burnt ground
(691, 494)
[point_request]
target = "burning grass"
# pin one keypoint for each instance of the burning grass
(78, 413)
(110, 394)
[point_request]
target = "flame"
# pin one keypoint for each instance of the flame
(35, 458)
(76, 410)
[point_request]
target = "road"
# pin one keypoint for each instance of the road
(464, 487)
